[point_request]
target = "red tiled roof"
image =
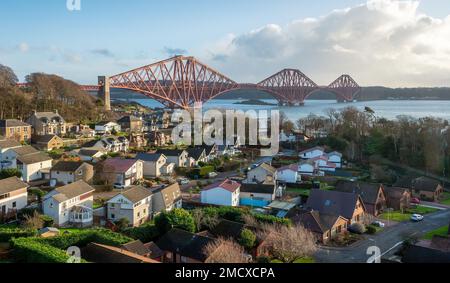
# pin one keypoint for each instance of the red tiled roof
(228, 185)
(292, 167)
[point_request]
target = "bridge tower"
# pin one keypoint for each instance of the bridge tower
(105, 91)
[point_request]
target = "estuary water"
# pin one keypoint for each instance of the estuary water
(389, 109)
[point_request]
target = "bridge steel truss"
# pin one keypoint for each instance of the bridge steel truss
(181, 81)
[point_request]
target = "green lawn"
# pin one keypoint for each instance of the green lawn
(443, 231)
(446, 199)
(301, 192)
(398, 216)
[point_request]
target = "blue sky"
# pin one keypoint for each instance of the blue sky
(110, 36)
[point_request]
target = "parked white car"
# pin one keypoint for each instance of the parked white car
(213, 175)
(379, 224)
(417, 217)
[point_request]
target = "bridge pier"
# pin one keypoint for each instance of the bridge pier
(105, 91)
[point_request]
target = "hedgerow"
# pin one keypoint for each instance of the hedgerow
(6, 234)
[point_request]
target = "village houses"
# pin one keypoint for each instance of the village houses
(47, 123)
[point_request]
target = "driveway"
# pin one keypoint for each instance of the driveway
(388, 240)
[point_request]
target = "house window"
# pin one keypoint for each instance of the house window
(113, 216)
(14, 204)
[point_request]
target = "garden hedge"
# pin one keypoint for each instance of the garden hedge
(145, 233)
(6, 234)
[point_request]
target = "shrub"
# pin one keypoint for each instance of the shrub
(177, 218)
(145, 233)
(228, 213)
(247, 239)
(270, 219)
(7, 173)
(357, 228)
(371, 229)
(6, 234)
(122, 224)
(47, 221)
(32, 251)
(81, 239)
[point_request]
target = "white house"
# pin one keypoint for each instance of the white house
(307, 168)
(225, 193)
(107, 127)
(323, 164)
(13, 195)
(289, 174)
(32, 163)
(154, 164)
(262, 173)
(134, 204)
(312, 153)
(179, 157)
(90, 154)
(70, 205)
(121, 171)
(336, 158)
(110, 144)
(7, 154)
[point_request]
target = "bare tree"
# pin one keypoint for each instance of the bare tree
(203, 220)
(289, 243)
(225, 251)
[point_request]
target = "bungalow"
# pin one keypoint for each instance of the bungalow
(335, 158)
(32, 163)
(262, 173)
(428, 189)
(167, 198)
(324, 226)
(70, 205)
(124, 172)
(348, 205)
(7, 154)
(198, 155)
(307, 168)
(323, 164)
(153, 164)
(398, 198)
(373, 195)
(225, 193)
(134, 204)
(312, 153)
(48, 142)
(107, 127)
(289, 174)
(179, 157)
(257, 195)
(13, 196)
(179, 246)
(67, 172)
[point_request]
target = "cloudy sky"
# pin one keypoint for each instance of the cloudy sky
(378, 42)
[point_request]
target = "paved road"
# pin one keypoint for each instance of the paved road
(387, 241)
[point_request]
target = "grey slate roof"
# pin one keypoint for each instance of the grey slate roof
(333, 202)
(67, 166)
(368, 192)
(11, 184)
(137, 193)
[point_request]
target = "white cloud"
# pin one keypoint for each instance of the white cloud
(24, 47)
(381, 42)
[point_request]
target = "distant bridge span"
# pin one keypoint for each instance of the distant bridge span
(181, 81)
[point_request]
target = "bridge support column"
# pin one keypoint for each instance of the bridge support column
(105, 91)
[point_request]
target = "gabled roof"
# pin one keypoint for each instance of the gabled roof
(11, 184)
(196, 152)
(318, 222)
(227, 185)
(334, 153)
(49, 116)
(13, 123)
(117, 165)
(136, 194)
(71, 191)
(99, 253)
(312, 149)
(292, 167)
(258, 188)
(266, 167)
(44, 138)
(89, 152)
(395, 192)
(185, 244)
(67, 166)
(170, 194)
(333, 202)
(425, 184)
(136, 247)
(24, 150)
(9, 143)
(171, 152)
(149, 157)
(368, 192)
(34, 158)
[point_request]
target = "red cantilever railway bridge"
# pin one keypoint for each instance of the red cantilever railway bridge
(181, 81)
